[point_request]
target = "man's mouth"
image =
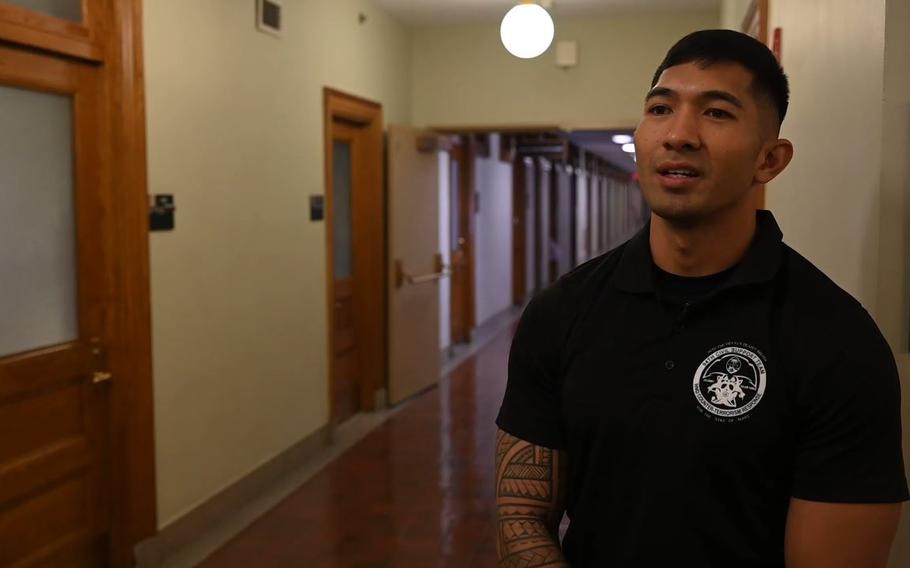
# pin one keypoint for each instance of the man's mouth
(678, 172)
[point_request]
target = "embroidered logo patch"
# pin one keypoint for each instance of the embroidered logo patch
(731, 381)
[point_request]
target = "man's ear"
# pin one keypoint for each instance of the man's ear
(775, 158)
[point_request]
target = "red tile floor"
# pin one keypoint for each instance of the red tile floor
(415, 492)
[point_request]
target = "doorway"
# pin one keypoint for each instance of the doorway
(462, 207)
(77, 485)
(355, 253)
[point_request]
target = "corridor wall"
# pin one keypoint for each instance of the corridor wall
(235, 133)
(463, 76)
(445, 248)
(842, 202)
(493, 237)
(893, 301)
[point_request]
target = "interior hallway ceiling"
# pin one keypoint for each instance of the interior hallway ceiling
(445, 11)
(600, 142)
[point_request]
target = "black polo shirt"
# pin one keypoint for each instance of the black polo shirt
(689, 427)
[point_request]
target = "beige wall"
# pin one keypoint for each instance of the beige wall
(827, 200)
(732, 13)
(238, 294)
(463, 75)
(894, 225)
(842, 202)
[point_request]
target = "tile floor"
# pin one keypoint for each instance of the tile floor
(415, 492)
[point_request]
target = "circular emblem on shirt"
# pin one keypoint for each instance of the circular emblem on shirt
(731, 381)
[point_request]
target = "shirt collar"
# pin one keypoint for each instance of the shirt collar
(634, 271)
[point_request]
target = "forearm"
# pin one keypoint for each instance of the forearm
(529, 503)
(527, 542)
(840, 535)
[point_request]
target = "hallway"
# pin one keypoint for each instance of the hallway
(417, 491)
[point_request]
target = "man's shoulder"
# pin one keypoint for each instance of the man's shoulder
(821, 304)
(587, 280)
(559, 303)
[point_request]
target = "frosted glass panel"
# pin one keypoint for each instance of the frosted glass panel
(65, 9)
(37, 228)
(341, 209)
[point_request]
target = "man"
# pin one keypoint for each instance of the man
(702, 395)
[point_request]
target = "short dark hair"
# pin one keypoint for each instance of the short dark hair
(707, 47)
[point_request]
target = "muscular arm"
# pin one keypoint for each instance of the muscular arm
(839, 535)
(530, 485)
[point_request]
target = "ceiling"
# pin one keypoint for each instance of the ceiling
(442, 11)
(600, 142)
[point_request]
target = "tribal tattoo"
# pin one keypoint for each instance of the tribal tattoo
(529, 500)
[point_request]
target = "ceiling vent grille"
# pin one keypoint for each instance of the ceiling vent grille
(268, 16)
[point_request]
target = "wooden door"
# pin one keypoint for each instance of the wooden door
(355, 233)
(461, 208)
(531, 234)
(519, 231)
(415, 262)
(544, 222)
(66, 498)
(347, 144)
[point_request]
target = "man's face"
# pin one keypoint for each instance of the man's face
(701, 140)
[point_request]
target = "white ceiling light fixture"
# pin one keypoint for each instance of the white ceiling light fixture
(621, 138)
(630, 148)
(527, 30)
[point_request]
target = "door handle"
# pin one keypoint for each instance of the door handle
(402, 277)
(101, 377)
(99, 354)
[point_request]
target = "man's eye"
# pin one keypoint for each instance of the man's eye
(659, 109)
(718, 113)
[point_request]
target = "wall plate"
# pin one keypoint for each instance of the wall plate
(269, 15)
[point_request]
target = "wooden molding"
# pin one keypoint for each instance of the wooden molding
(133, 487)
(507, 148)
(481, 145)
(34, 29)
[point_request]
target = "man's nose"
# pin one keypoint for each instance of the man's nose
(682, 132)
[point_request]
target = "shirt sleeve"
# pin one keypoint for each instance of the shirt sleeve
(531, 407)
(849, 415)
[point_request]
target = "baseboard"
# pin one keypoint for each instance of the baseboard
(190, 528)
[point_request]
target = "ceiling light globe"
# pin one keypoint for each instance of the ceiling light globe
(527, 31)
(630, 148)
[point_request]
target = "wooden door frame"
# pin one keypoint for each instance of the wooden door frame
(369, 301)
(134, 503)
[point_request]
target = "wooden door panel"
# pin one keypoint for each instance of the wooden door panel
(346, 377)
(346, 365)
(52, 463)
(53, 524)
(344, 316)
(54, 418)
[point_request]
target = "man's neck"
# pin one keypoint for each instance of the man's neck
(703, 248)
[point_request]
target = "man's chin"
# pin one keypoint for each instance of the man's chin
(677, 211)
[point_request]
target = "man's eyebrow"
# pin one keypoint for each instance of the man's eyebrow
(723, 96)
(660, 92)
(706, 95)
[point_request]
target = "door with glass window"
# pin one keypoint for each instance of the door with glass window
(347, 144)
(55, 289)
